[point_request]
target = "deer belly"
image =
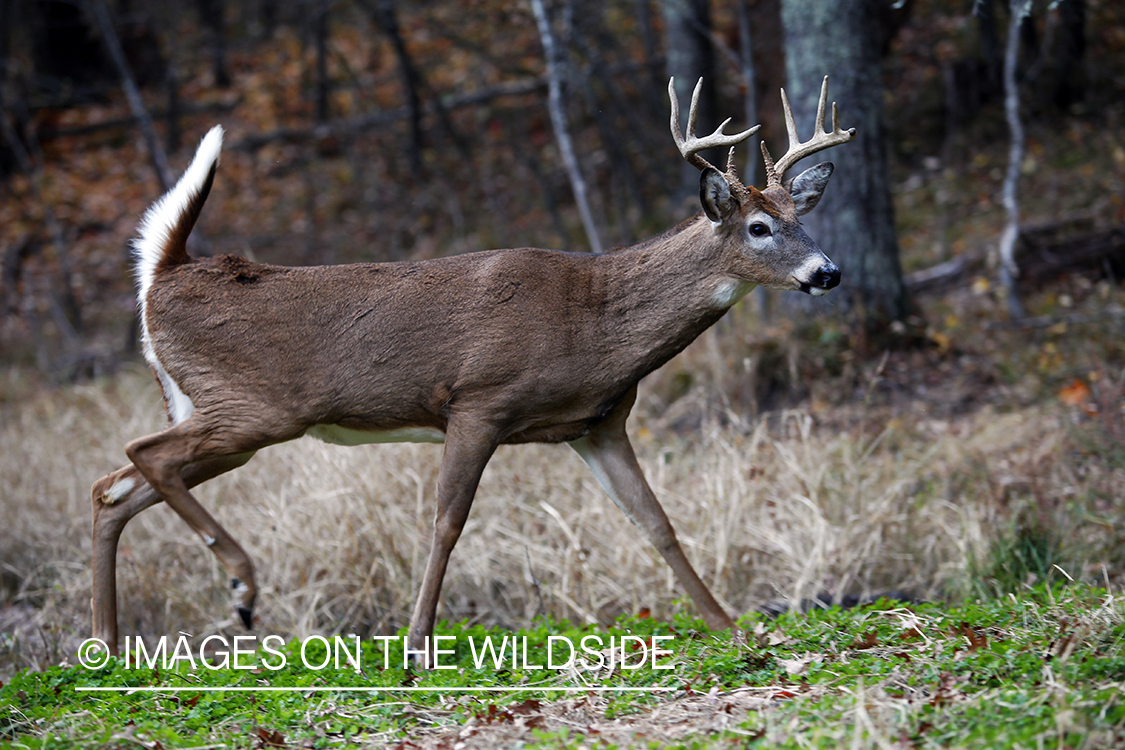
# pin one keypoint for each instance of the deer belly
(337, 435)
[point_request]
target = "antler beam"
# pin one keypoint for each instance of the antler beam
(690, 146)
(819, 141)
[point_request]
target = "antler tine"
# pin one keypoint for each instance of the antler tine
(821, 139)
(820, 104)
(687, 142)
(790, 121)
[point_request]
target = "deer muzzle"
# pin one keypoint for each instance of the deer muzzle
(821, 280)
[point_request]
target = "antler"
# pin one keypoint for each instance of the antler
(819, 141)
(691, 146)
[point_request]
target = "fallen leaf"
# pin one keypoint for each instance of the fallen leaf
(525, 707)
(1076, 393)
(977, 639)
(270, 737)
(869, 640)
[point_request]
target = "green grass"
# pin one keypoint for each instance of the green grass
(1041, 668)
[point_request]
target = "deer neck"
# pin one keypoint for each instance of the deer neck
(668, 290)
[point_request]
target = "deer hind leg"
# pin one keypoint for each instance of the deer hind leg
(608, 453)
(116, 498)
(462, 463)
(162, 458)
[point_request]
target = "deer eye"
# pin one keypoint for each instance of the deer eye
(758, 229)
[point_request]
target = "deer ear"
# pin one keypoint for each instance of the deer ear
(715, 195)
(806, 188)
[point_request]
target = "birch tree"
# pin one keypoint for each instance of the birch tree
(555, 74)
(1020, 9)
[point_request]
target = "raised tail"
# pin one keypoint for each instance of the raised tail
(166, 225)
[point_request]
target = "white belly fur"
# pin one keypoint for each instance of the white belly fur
(337, 435)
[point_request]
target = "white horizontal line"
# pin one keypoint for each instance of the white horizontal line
(269, 689)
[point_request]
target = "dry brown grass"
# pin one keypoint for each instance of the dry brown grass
(778, 508)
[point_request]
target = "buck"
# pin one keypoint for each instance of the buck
(473, 351)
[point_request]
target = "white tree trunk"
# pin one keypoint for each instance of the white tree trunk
(1008, 269)
(560, 126)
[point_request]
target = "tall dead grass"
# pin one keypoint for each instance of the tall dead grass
(776, 509)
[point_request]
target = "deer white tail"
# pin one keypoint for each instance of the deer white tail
(163, 244)
(168, 222)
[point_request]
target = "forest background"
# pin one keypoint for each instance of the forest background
(913, 430)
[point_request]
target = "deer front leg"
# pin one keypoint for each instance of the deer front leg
(463, 460)
(116, 498)
(608, 453)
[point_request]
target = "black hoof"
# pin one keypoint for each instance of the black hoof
(247, 617)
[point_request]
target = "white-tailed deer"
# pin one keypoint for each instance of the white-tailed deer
(503, 346)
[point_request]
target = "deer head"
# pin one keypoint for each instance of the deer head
(760, 228)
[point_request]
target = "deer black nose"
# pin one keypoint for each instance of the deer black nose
(828, 277)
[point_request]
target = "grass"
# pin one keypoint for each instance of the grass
(1043, 667)
(766, 512)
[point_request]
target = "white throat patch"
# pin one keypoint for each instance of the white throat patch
(728, 291)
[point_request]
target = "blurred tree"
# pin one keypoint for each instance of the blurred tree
(171, 79)
(64, 49)
(7, 20)
(651, 56)
(1069, 85)
(990, 47)
(385, 17)
(320, 31)
(213, 15)
(266, 18)
(687, 47)
(1019, 10)
(98, 10)
(854, 222)
(556, 64)
(749, 86)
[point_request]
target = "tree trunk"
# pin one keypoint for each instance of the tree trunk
(212, 14)
(104, 22)
(320, 27)
(554, 54)
(750, 94)
(1070, 50)
(990, 47)
(1020, 9)
(687, 45)
(384, 14)
(171, 81)
(854, 223)
(649, 44)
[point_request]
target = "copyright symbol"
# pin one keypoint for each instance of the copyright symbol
(93, 653)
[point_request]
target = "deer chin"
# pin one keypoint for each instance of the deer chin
(804, 286)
